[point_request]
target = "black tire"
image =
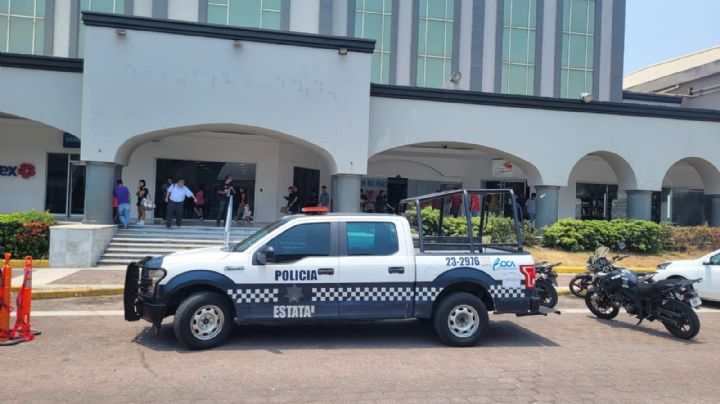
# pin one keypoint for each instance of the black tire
(690, 322)
(601, 306)
(579, 285)
(461, 319)
(204, 320)
(546, 291)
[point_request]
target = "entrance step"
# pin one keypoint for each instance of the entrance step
(138, 242)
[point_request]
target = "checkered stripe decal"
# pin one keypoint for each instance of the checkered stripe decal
(498, 291)
(373, 293)
(260, 295)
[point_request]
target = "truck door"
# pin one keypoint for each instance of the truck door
(305, 264)
(376, 273)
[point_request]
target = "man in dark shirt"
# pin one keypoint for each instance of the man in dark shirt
(122, 193)
(294, 200)
(226, 190)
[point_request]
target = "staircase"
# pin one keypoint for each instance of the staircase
(138, 242)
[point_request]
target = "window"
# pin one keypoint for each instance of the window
(435, 42)
(715, 260)
(518, 51)
(101, 6)
(245, 13)
(304, 240)
(373, 21)
(372, 238)
(22, 26)
(576, 75)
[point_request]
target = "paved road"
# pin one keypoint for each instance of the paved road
(568, 358)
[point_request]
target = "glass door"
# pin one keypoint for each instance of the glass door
(76, 188)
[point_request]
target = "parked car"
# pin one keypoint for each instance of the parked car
(706, 267)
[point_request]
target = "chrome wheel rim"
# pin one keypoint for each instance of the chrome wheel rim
(463, 321)
(207, 322)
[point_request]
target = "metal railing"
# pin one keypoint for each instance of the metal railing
(228, 221)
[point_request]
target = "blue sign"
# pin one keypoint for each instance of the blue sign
(71, 141)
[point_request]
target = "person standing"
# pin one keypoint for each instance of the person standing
(242, 197)
(164, 189)
(474, 205)
(175, 199)
(122, 193)
(324, 197)
(294, 200)
(530, 206)
(141, 193)
(200, 203)
(455, 202)
(380, 202)
(226, 190)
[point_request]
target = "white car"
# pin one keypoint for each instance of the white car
(706, 267)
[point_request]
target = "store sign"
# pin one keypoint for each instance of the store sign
(24, 170)
(71, 141)
(503, 169)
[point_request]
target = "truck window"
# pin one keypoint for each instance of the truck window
(372, 238)
(303, 240)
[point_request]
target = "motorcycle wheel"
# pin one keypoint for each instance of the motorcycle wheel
(601, 306)
(548, 294)
(578, 285)
(688, 324)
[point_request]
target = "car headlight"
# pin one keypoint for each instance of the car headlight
(155, 275)
(662, 266)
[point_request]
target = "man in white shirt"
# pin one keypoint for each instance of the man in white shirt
(175, 197)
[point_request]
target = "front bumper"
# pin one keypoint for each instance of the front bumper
(137, 305)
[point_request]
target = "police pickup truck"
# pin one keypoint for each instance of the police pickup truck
(325, 267)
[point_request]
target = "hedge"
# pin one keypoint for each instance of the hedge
(586, 235)
(684, 238)
(26, 233)
(500, 229)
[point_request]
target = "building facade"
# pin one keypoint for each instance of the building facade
(407, 96)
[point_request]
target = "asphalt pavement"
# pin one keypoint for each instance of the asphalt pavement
(88, 353)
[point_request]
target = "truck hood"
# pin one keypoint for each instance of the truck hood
(198, 255)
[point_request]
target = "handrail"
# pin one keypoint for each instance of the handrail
(228, 221)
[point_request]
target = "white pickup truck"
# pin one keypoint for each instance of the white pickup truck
(318, 268)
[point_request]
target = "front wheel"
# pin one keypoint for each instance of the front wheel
(684, 322)
(601, 306)
(204, 320)
(546, 291)
(461, 319)
(579, 285)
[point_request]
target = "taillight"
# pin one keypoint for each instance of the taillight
(529, 272)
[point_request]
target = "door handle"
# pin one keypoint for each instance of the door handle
(396, 270)
(326, 271)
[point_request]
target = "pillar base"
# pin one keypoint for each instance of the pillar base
(346, 193)
(100, 179)
(546, 205)
(639, 204)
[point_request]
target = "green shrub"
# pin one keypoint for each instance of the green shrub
(500, 229)
(586, 235)
(26, 233)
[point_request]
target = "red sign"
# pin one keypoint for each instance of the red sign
(24, 170)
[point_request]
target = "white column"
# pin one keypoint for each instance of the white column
(605, 32)
(402, 62)
(466, 23)
(488, 79)
(184, 10)
(143, 8)
(547, 79)
(305, 16)
(340, 15)
(61, 36)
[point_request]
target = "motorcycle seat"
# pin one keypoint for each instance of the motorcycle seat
(650, 288)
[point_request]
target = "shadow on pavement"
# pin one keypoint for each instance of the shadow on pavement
(401, 334)
(650, 331)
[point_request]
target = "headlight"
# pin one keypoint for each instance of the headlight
(662, 266)
(155, 275)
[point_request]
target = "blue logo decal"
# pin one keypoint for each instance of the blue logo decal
(499, 264)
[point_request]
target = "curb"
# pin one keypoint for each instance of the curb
(20, 264)
(38, 294)
(579, 270)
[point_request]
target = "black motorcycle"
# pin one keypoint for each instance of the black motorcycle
(546, 282)
(596, 263)
(669, 300)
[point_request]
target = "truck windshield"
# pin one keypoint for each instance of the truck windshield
(243, 245)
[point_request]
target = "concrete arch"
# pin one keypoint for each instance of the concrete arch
(532, 172)
(708, 172)
(623, 170)
(125, 150)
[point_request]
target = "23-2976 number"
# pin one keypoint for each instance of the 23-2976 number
(462, 261)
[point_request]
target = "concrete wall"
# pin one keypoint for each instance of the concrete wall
(78, 246)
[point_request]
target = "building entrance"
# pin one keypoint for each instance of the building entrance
(65, 187)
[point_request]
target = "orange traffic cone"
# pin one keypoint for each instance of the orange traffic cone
(24, 301)
(5, 308)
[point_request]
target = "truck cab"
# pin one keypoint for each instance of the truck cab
(329, 267)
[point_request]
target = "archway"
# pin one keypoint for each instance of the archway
(691, 193)
(596, 185)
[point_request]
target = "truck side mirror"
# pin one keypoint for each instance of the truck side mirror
(265, 255)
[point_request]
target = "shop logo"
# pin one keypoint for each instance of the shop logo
(24, 170)
(500, 264)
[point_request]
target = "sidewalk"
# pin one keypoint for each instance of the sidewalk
(49, 283)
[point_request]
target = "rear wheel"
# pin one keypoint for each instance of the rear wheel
(546, 291)
(601, 306)
(684, 323)
(579, 285)
(461, 319)
(204, 320)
